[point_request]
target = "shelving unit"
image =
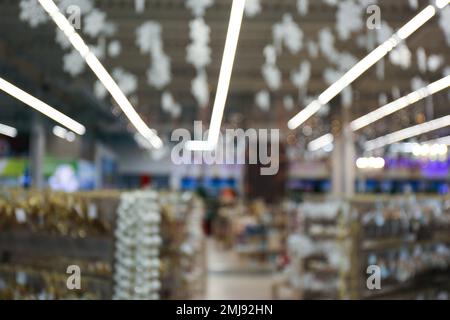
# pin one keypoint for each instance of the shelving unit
(35, 254)
(183, 252)
(397, 247)
(408, 238)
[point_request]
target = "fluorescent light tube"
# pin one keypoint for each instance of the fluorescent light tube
(321, 142)
(304, 115)
(415, 23)
(62, 133)
(441, 3)
(442, 140)
(42, 107)
(8, 131)
(401, 103)
(363, 65)
(231, 42)
(408, 133)
(101, 73)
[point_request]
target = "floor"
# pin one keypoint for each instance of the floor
(231, 279)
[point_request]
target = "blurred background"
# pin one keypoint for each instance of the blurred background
(360, 205)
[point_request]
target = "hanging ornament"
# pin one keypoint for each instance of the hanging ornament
(413, 4)
(169, 105)
(200, 90)
(435, 62)
(100, 90)
(302, 7)
(331, 75)
(401, 56)
(94, 23)
(114, 48)
(396, 93)
(422, 60)
(288, 103)
(148, 36)
(347, 97)
(326, 45)
(198, 7)
(345, 61)
(32, 12)
(62, 39)
(287, 32)
(348, 19)
(417, 83)
(313, 49)
(252, 8)
(272, 76)
(380, 69)
(270, 71)
(262, 100)
(127, 82)
(159, 74)
(198, 51)
(323, 112)
(149, 40)
(300, 78)
(73, 63)
(382, 99)
(270, 54)
(139, 6)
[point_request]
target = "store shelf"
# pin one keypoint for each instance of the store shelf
(45, 245)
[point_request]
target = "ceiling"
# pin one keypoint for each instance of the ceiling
(31, 57)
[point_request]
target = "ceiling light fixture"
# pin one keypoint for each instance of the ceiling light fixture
(321, 142)
(442, 140)
(101, 73)
(408, 133)
(401, 103)
(370, 163)
(63, 133)
(8, 131)
(367, 62)
(142, 142)
(234, 27)
(42, 107)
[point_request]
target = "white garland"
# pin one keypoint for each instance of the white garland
(149, 40)
(401, 56)
(252, 8)
(169, 105)
(198, 7)
(262, 100)
(303, 7)
(288, 33)
(348, 19)
(32, 12)
(200, 89)
(127, 81)
(198, 52)
(300, 78)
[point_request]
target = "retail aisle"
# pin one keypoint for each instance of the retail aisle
(229, 278)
